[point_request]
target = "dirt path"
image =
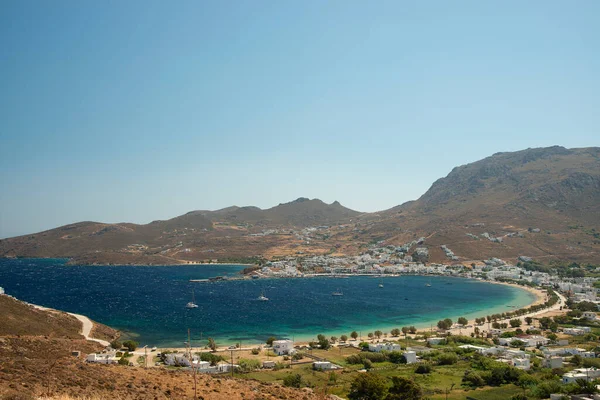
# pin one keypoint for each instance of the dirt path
(87, 324)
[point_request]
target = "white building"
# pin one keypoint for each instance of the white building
(521, 363)
(268, 364)
(387, 346)
(282, 347)
(553, 362)
(592, 316)
(107, 358)
(324, 366)
(411, 357)
(582, 330)
(226, 367)
(435, 340)
(587, 374)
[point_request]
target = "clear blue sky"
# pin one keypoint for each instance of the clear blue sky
(139, 110)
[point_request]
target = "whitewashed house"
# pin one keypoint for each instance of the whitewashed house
(435, 340)
(106, 358)
(386, 346)
(522, 363)
(411, 357)
(553, 362)
(283, 347)
(587, 374)
(590, 315)
(324, 366)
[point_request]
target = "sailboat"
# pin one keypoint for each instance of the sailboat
(262, 297)
(192, 304)
(337, 293)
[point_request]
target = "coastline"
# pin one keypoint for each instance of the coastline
(537, 296)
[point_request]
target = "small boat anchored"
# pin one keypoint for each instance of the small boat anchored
(337, 293)
(192, 304)
(262, 297)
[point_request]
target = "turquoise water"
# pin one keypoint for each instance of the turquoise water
(149, 302)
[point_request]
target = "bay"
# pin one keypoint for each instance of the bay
(148, 302)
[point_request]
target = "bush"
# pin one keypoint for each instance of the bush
(473, 379)
(256, 351)
(292, 380)
(447, 359)
(423, 369)
(248, 365)
(123, 361)
(396, 357)
(115, 344)
(360, 357)
(130, 345)
(211, 358)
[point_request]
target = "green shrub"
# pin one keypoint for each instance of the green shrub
(292, 380)
(423, 369)
(447, 358)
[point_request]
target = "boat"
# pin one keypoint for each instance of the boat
(428, 284)
(337, 293)
(380, 283)
(262, 297)
(192, 304)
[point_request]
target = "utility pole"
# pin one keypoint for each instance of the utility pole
(232, 363)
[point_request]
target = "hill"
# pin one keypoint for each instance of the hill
(542, 203)
(229, 233)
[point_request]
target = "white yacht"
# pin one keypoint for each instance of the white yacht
(192, 304)
(262, 297)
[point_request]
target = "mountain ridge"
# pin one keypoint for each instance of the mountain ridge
(554, 189)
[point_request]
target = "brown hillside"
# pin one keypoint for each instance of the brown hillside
(507, 195)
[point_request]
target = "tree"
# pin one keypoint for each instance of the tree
(528, 320)
(323, 342)
(396, 357)
(412, 330)
(130, 345)
(115, 344)
(212, 344)
(586, 387)
(343, 338)
(447, 358)
(405, 330)
(368, 387)
(292, 380)
(378, 334)
(515, 323)
(404, 389)
(333, 339)
(395, 332)
(448, 323)
(463, 321)
(367, 364)
(370, 335)
(271, 340)
(354, 335)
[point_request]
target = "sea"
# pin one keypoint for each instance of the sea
(148, 303)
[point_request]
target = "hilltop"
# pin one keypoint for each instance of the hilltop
(542, 202)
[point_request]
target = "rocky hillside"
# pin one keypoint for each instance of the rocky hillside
(542, 203)
(233, 232)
